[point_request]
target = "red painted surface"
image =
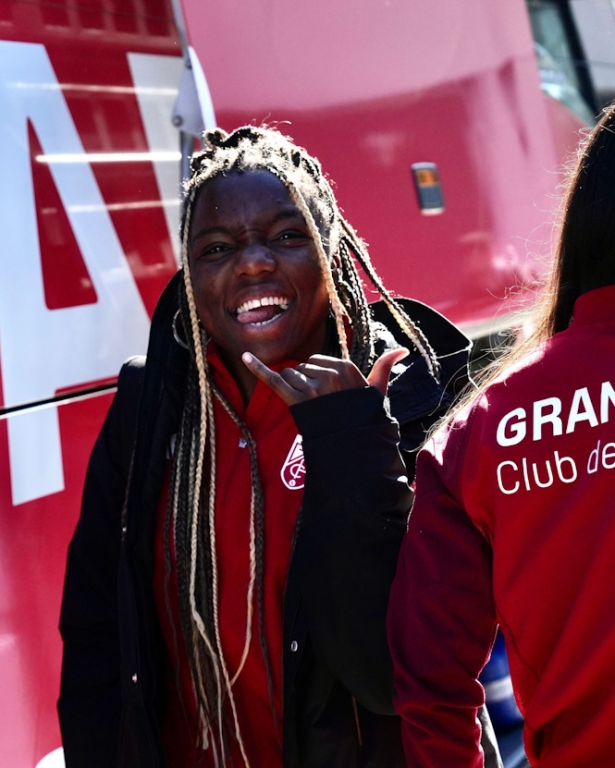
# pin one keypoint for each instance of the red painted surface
(65, 275)
(33, 543)
(399, 83)
(567, 130)
(87, 44)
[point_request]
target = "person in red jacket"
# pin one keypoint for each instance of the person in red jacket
(514, 522)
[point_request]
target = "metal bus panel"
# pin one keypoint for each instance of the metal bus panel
(391, 85)
(33, 543)
(90, 189)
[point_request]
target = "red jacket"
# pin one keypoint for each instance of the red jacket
(514, 524)
(282, 471)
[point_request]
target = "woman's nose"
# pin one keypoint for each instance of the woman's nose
(254, 258)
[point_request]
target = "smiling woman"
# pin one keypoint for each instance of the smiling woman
(259, 465)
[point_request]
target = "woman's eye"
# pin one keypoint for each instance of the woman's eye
(214, 250)
(292, 237)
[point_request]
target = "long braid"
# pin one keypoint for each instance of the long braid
(337, 307)
(214, 592)
(405, 323)
(205, 396)
(207, 686)
(257, 549)
(362, 352)
(192, 501)
(207, 417)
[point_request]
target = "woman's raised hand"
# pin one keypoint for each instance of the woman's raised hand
(322, 375)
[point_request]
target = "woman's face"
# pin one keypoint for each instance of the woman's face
(255, 271)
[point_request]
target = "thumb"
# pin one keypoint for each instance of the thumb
(379, 375)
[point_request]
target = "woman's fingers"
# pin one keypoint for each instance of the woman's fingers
(321, 375)
(329, 374)
(289, 394)
(318, 376)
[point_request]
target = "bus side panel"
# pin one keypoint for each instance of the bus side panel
(89, 217)
(33, 543)
(392, 85)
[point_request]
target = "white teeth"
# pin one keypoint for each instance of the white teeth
(267, 301)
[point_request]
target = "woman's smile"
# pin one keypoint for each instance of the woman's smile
(261, 311)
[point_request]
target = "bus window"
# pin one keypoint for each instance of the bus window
(560, 58)
(595, 22)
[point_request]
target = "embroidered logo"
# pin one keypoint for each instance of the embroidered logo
(293, 471)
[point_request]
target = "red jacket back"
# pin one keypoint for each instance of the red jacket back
(514, 524)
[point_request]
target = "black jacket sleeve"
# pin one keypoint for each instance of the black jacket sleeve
(355, 507)
(89, 704)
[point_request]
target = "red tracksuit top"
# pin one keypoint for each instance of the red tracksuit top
(514, 523)
(282, 471)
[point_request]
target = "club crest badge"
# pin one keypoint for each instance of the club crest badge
(293, 471)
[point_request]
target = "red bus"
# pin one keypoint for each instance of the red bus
(445, 126)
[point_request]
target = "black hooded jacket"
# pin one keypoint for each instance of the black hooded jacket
(337, 673)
